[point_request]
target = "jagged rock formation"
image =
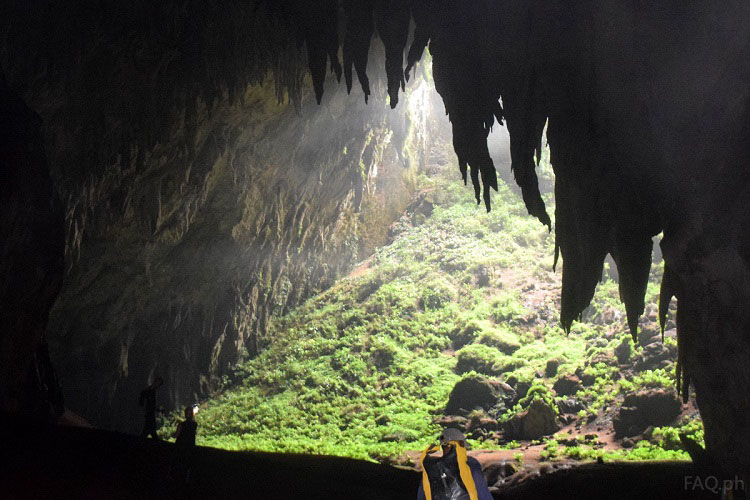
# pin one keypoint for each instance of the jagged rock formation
(646, 109)
(204, 189)
(621, 87)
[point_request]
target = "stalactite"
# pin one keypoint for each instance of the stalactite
(421, 11)
(318, 28)
(632, 254)
(359, 30)
(392, 19)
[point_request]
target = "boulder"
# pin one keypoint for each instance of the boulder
(539, 420)
(602, 357)
(653, 356)
(551, 369)
(465, 335)
(476, 391)
(567, 385)
(486, 424)
(588, 379)
(569, 406)
(644, 408)
(521, 388)
(479, 358)
(454, 421)
(499, 471)
(382, 420)
(623, 351)
(567, 419)
(628, 442)
(649, 334)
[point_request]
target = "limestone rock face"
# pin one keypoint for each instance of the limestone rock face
(203, 188)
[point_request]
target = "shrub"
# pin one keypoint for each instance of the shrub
(436, 293)
(503, 341)
(507, 308)
(479, 358)
(382, 354)
(368, 287)
(466, 335)
(538, 391)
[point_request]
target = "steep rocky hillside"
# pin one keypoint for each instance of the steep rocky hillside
(455, 322)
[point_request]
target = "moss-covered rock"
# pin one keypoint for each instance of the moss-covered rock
(503, 341)
(539, 420)
(479, 358)
(465, 334)
(474, 391)
(567, 385)
(644, 408)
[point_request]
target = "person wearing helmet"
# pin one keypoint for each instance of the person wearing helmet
(453, 475)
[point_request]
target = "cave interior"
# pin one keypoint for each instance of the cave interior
(126, 128)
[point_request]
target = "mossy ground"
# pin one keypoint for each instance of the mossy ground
(365, 368)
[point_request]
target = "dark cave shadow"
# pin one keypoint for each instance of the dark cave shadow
(67, 462)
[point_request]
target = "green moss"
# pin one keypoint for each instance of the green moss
(538, 391)
(364, 368)
(501, 339)
(479, 358)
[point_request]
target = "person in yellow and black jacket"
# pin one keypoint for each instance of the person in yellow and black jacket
(454, 475)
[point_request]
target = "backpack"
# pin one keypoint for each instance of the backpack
(447, 477)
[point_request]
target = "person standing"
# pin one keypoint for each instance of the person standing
(148, 401)
(454, 475)
(185, 433)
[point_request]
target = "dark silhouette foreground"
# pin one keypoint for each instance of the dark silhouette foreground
(68, 462)
(185, 433)
(147, 399)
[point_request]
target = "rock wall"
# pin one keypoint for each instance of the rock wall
(31, 257)
(204, 189)
(185, 283)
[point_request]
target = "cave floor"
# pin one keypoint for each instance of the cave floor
(66, 462)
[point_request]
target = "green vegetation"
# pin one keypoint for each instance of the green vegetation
(365, 368)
